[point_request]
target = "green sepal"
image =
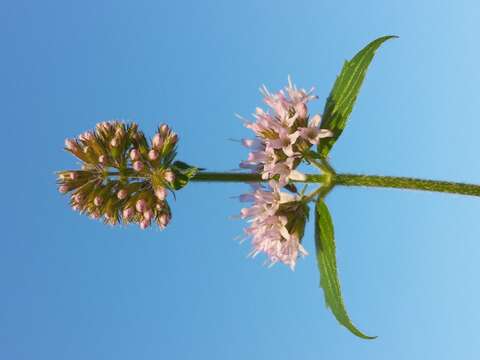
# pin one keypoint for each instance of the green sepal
(297, 213)
(327, 266)
(340, 102)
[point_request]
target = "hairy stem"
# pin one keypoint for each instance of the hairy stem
(342, 180)
(407, 183)
(355, 180)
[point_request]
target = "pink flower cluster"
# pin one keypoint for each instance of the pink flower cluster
(284, 135)
(270, 231)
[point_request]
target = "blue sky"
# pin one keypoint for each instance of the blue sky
(73, 288)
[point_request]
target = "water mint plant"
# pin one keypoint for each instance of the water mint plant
(126, 178)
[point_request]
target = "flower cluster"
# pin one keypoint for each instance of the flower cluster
(277, 224)
(284, 136)
(283, 139)
(124, 178)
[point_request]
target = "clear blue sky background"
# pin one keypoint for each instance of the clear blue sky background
(73, 288)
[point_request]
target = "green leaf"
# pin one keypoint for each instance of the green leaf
(183, 174)
(340, 102)
(327, 265)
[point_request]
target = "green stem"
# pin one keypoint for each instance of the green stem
(344, 180)
(407, 183)
(355, 180)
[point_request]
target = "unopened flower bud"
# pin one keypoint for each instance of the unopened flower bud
(148, 215)
(153, 154)
(144, 224)
(138, 166)
(98, 201)
(86, 149)
(102, 159)
(159, 207)
(128, 213)
(174, 139)
(105, 125)
(164, 129)
(161, 193)
(134, 154)
(95, 215)
(63, 189)
(157, 141)
(70, 144)
(163, 220)
(77, 198)
(169, 176)
(114, 142)
(86, 136)
(73, 175)
(141, 205)
(122, 194)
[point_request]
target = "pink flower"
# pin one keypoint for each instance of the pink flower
(63, 189)
(283, 172)
(285, 141)
(138, 166)
(269, 225)
(313, 133)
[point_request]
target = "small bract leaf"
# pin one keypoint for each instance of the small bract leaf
(327, 265)
(183, 174)
(340, 102)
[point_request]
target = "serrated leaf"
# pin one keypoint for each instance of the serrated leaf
(340, 102)
(327, 265)
(183, 174)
